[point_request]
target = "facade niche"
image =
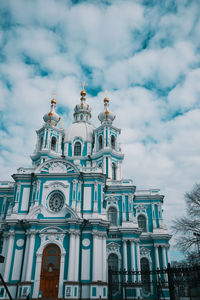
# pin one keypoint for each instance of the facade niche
(142, 223)
(53, 143)
(112, 216)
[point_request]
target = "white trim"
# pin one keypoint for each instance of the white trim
(39, 253)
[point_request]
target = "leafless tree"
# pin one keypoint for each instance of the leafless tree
(187, 228)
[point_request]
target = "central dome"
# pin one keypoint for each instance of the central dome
(83, 130)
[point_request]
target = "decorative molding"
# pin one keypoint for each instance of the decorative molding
(55, 185)
(113, 248)
(144, 252)
(56, 166)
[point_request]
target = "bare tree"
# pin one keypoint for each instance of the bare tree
(187, 228)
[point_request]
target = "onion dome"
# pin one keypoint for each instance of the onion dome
(82, 111)
(52, 117)
(106, 116)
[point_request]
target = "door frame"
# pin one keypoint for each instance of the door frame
(38, 264)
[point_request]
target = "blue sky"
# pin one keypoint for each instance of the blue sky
(145, 53)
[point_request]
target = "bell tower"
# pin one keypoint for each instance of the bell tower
(49, 138)
(107, 148)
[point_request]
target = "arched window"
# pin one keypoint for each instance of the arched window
(51, 257)
(145, 272)
(112, 141)
(53, 143)
(142, 223)
(100, 142)
(41, 142)
(77, 149)
(112, 216)
(113, 265)
(113, 171)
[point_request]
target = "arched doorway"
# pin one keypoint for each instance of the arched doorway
(113, 265)
(50, 269)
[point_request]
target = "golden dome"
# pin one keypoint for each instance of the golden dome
(53, 101)
(83, 93)
(106, 100)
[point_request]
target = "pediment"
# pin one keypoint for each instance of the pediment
(54, 166)
(113, 245)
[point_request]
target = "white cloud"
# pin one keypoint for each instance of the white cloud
(146, 56)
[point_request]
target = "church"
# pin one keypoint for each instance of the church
(71, 216)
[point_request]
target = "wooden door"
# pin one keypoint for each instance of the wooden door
(50, 269)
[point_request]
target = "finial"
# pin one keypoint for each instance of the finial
(106, 99)
(54, 98)
(83, 92)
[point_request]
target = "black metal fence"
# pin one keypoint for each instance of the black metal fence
(174, 283)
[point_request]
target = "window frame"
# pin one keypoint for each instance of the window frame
(75, 148)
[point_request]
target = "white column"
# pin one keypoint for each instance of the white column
(164, 257)
(25, 257)
(48, 137)
(71, 266)
(76, 262)
(164, 262)
(138, 261)
(104, 165)
(168, 256)
(95, 258)
(157, 261)
(37, 275)
(156, 258)
(125, 257)
(30, 256)
(99, 257)
(133, 258)
(123, 208)
(104, 260)
(109, 168)
(9, 255)
(62, 265)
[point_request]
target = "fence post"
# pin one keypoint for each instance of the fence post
(110, 283)
(170, 282)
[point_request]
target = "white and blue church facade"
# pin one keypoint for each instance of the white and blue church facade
(71, 216)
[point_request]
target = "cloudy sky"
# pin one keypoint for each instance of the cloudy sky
(145, 53)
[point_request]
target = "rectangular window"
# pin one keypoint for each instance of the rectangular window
(94, 291)
(68, 291)
(104, 292)
(75, 291)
